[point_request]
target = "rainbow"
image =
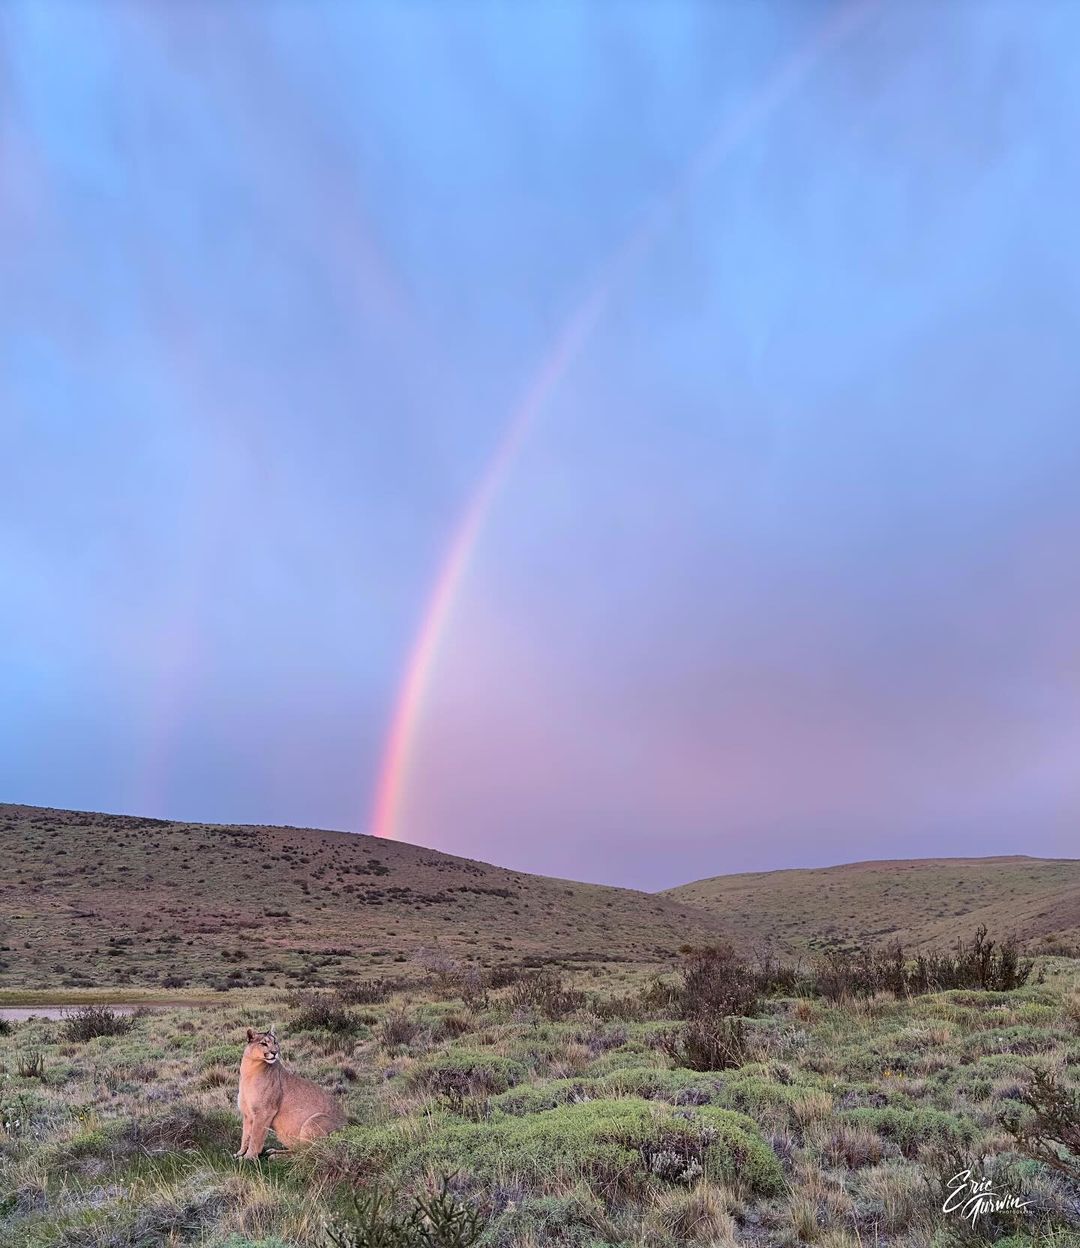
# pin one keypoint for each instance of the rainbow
(571, 341)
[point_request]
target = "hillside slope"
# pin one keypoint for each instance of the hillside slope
(105, 899)
(920, 901)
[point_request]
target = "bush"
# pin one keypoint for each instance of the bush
(912, 1128)
(544, 992)
(621, 1146)
(183, 1128)
(1049, 1131)
(852, 1145)
(96, 1020)
(366, 991)
(709, 1042)
(716, 981)
(322, 1011)
(398, 1030)
(983, 964)
(438, 1221)
(465, 1072)
(31, 1065)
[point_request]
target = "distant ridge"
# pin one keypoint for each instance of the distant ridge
(921, 901)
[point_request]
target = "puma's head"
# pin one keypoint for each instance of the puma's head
(262, 1046)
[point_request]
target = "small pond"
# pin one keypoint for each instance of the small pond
(19, 1013)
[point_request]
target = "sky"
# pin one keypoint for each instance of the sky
(684, 398)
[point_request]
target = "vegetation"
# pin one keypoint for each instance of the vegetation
(809, 1121)
(539, 1042)
(438, 1221)
(92, 1021)
(1049, 1131)
(980, 963)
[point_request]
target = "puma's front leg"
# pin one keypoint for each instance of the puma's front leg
(256, 1136)
(245, 1137)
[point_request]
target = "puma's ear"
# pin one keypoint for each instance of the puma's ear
(251, 1035)
(272, 1031)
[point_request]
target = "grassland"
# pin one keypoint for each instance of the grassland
(920, 902)
(89, 900)
(836, 1128)
(587, 1104)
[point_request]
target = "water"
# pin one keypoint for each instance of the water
(19, 1013)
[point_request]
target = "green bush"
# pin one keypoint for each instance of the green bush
(467, 1072)
(221, 1055)
(911, 1128)
(615, 1145)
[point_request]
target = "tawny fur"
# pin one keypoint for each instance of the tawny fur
(273, 1098)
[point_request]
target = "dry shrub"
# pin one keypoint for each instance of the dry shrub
(900, 1194)
(710, 1042)
(981, 964)
(322, 1011)
(805, 1225)
(366, 991)
(545, 992)
(812, 1107)
(699, 1215)
(30, 1065)
(717, 981)
(399, 1029)
(1049, 1131)
(853, 1145)
(96, 1020)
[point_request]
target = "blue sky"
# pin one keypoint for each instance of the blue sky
(785, 572)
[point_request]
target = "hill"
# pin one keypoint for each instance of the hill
(91, 899)
(920, 901)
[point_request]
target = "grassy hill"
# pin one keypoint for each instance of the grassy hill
(103, 899)
(89, 899)
(920, 901)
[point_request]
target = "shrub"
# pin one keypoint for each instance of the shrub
(185, 1127)
(853, 1145)
(96, 1020)
(716, 981)
(912, 1128)
(366, 991)
(1050, 1131)
(31, 1065)
(398, 1030)
(699, 1215)
(981, 964)
(620, 1146)
(322, 1011)
(467, 1072)
(544, 992)
(438, 1221)
(709, 1042)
